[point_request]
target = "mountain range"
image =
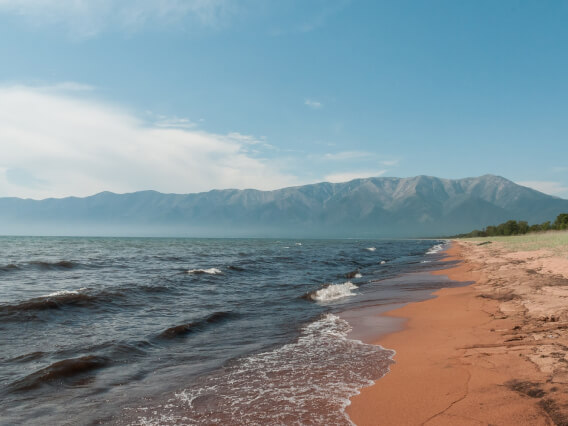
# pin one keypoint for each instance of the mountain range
(421, 206)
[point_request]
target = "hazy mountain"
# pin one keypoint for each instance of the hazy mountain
(373, 207)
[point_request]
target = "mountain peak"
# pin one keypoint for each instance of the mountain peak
(371, 207)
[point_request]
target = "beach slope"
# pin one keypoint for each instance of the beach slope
(494, 352)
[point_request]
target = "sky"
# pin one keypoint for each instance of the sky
(188, 96)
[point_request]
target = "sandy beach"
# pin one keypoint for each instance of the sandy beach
(490, 353)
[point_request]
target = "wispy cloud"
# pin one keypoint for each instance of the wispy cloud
(87, 18)
(312, 103)
(347, 176)
(57, 144)
(390, 163)
(548, 187)
(175, 122)
(246, 139)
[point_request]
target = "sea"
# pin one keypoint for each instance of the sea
(151, 331)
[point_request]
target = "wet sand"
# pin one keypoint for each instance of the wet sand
(491, 353)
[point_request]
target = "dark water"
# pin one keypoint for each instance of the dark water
(187, 331)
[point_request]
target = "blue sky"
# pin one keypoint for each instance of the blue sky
(184, 96)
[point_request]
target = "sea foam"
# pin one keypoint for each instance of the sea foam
(334, 292)
(309, 381)
(210, 271)
(435, 249)
(64, 292)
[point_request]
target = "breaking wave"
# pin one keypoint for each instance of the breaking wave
(210, 271)
(354, 274)
(435, 249)
(59, 300)
(306, 382)
(332, 292)
(64, 293)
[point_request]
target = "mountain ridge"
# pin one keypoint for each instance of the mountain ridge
(374, 207)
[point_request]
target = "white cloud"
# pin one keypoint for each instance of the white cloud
(87, 18)
(246, 139)
(347, 176)
(390, 163)
(56, 144)
(548, 187)
(175, 122)
(312, 103)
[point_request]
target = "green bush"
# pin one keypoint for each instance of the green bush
(513, 227)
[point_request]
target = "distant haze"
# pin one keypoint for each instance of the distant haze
(388, 207)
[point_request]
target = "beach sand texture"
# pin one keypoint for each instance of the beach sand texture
(491, 353)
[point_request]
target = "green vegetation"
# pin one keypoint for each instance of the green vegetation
(513, 227)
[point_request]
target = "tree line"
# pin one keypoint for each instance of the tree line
(513, 227)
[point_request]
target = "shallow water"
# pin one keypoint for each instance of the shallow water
(157, 331)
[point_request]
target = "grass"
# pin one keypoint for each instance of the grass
(555, 241)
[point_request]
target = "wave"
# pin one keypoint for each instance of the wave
(435, 249)
(332, 292)
(62, 264)
(235, 268)
(61, 370)
(371, 248)
(59, 300)
(308, 381)
(64, 293)
(353, 274)
(10, 267)
(192, 327)
(210, 271)
(56, 300)
(32, 356)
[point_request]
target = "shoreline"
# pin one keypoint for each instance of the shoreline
(461, 357)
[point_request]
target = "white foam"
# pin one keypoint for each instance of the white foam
(435, 249)
(298, 244)
(358, 275)
(211, 271)
(334, 292)
(371, 248)
(305, 382)
(64, 292)
(383, 262)
(425, 261)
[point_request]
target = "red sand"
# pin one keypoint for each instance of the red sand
(460, 360)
